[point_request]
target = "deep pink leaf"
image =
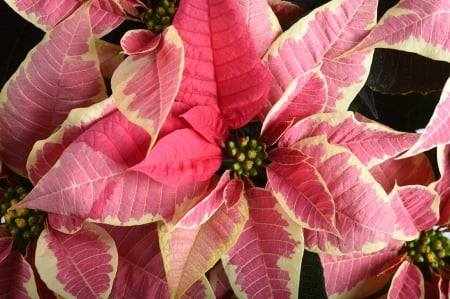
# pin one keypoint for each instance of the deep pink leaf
(219, 281)
(77, 265)
(407, 283)
(419, 26)
(139, 41)
(417, 209)
(145, 86)
(287, 156)
(309, 44)
(443, 184)
(357, 197)
(5, 246)
(181, 157)
(65, 224)
(60, 74)
(257, 265)
(17, 278)
(402, 172)
(372, 142)
(302, 192)
(232, 74)
(437, 130)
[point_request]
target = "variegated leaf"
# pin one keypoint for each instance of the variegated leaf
(266, 259)
(443, 184)
(357, 197)
(145, 86)
(419, 26)
(322, 39)
(407, 283)
(189, 253)
(77, 265)
(17, 278)
(417, 209)
(59, 74)
(372, 142)
(219, 281)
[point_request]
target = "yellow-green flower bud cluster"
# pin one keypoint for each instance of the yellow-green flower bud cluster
(24, 224)
(159, 17)
(247, 156)
(431, 247)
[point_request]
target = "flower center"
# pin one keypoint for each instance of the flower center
(430, 248)
(160, 16)
(22, 224)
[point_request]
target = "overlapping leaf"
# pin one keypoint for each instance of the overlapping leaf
(145, 86)
(17, 278)
(443, 184)
(321, 39)
(358, 200)
(77, 265)
(419, 26)
(372, 143)
(266, 259)
(407, 283)
(199, 248)
(232, 74)
(59, 74)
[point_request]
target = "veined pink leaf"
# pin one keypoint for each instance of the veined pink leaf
(419, 26)
(407, 283)
(372, 143)
(92, 179)
(262, 23)
(357, 197)
(437, 130)
(443, 184)
(139, 41)
(200, 289)
(233, 77)
(322, 39)
(417, 209)
(17, 278)
(287, 156)
(304, 96)
(59, 74)
(77, 265)
(302, 192)
(46, 152)
(257, 265)
(145, 86)
(227, 190)
(140, 271)
(357, 275)
(180, 158)
(189, 253)
(105, 15)
(64, 224)
(407, 171)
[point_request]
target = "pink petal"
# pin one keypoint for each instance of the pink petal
(82, 264)
(60, 74)
(257, 265)
(139, 41)
(407, 283)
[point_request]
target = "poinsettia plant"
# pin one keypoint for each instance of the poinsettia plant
(215, 145)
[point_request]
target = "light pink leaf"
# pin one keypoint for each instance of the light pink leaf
(419, 26)
(140, 271)
(408, 171)
(17, 278)
(59, 74)
(189, 253)
(407, 283)
(437, 130)
(145, 86)
(304, 195)
(305, 96)
(358, 275)
(46, 152)
(357, 197)
(92, 179)
(322, 39)
(232, 74)
(257, 266)
(180, 158)
(417, 209)
(77, 265)
(372, 143)
(105, 15)
(139, 41)
(262, 23)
